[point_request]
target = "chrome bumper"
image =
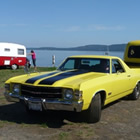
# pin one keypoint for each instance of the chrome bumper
(47, 104)
(11, 97)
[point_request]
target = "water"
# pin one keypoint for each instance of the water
(44, 57)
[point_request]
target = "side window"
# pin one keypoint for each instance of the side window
(7, 50)
(116, 66)
(20, 51)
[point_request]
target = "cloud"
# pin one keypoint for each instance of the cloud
(3, 25)
(72, 29)
(105, 28)
(10, 25)
(91, 28)
(20, 24)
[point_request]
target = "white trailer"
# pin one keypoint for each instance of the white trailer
(13, 55)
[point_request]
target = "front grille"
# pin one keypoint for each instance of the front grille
(41, 92)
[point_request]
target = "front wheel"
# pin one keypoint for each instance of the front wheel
(94, 110)
(136, 93)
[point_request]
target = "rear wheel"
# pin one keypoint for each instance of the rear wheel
(94, 110)
(136, 93)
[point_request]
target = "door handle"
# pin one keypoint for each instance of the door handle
(128, 75)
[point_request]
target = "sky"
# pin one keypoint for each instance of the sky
(69, 23)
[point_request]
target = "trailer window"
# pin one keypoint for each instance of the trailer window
(20, 51)
(133, 52)
(7, 49)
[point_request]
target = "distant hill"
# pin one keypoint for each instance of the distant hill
(117, 47)
(114, 47)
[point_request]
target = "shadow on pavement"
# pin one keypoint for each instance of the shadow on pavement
(16, 112)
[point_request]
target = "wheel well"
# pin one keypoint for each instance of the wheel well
(138, 82)
(103, 96)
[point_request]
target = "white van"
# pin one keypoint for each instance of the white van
(13, 55)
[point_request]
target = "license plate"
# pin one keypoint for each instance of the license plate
(35, 106)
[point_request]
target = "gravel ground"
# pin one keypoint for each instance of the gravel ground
(120, 121)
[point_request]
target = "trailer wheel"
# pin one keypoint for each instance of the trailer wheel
(14, 67)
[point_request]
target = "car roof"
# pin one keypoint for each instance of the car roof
(94, 56)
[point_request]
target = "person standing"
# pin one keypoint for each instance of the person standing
(33, 54)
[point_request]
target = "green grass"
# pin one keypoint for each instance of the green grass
(5, 74)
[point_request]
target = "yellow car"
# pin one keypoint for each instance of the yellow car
(81, 83)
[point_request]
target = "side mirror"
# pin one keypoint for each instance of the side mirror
(120, 71)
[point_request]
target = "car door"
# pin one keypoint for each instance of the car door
(120, 79)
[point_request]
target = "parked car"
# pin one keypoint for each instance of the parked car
(81, 83)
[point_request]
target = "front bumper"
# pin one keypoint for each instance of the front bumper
(47, 104)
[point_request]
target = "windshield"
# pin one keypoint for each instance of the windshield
(88, 64)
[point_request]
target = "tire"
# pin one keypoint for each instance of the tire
(14, 67)
(94, 110)
(136, 93)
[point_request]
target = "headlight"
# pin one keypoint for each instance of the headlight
(16, 88)
(68, 94)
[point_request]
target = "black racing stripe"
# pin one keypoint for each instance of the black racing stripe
(61, 76)
(32, 80)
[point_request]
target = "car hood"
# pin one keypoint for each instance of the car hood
(58, 78)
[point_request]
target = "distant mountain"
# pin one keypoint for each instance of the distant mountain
(114, 47)
(117, 47)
